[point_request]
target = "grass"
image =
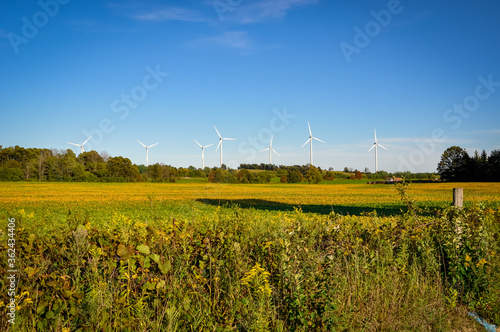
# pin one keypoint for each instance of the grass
(278, 257)
(192, 180)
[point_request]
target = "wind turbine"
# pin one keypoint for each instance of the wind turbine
(375, 145)
(80, 145)
(270, 148)
(147, 150)
(220, 144)
(310, 140)
(203, 153)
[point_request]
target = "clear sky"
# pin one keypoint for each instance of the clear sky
(425, 74)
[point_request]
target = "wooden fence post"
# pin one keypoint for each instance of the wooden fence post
(458, 197)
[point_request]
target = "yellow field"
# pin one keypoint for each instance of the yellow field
(21, 193)
(93, 255)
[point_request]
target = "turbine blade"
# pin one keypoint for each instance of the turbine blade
(275, 152)
(228, 139)
(319, 140)
(372, 147)
(153, 145)
(306, 142)
(217, 132)
(375, 135)
(220, 142)
(271, 141)
(310, 132)
(73, 143)
(264, 150)
(198, 143)
(383, 147)
(142, 144)
(87, 140)
(206, 146)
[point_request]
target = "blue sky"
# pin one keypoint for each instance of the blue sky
(424, 74)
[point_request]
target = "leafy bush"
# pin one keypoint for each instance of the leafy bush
(190, 266)
(11, 174)
(295, 177)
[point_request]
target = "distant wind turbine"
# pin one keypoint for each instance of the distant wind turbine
(147, 150)
(310, 140)
(375, 145)
(270, 148)
(220, 144)
(80, 145)
(203, 153)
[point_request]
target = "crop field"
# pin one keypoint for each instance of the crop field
(228, 257)
(359, 194)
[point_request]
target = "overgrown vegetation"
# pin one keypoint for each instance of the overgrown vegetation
(165, 266)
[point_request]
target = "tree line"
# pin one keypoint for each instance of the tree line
(35, 164)
(457, 165)
(347, 173)
(39, 164)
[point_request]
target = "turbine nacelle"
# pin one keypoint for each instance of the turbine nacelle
(81, 145)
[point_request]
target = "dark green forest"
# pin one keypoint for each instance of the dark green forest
(457, 165)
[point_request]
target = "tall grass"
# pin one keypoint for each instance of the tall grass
(191, 267)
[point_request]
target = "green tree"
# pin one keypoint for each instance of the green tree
(10, 171)
(244, 176)
(314, 175)
(93, 162)
(78, 172)
(67, 163)
(53, 171)
(162, 173)
(219, 175)
(263, 177)
(494, 166)
(453, 164)
(183, 172)
(28, 163)
(295, 177)
(480, 169)
(41, 163)
(121, 170)
(142, 169)
(329, 176)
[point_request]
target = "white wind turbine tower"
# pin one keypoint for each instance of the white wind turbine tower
(270, 148)
(80, 145)
(310, 140)
(203, 153)
(147, 150)
(220, 144)
(375, 145)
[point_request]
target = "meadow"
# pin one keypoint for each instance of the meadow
(199, 256)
